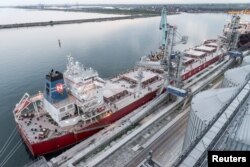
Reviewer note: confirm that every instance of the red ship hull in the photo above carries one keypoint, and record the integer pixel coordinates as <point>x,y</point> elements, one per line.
<point>55,144</point>
<point>199,68</point>
<point>69,139</point>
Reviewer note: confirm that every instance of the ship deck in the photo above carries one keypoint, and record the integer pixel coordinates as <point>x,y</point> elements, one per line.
<point>201,61</point>
<point>34,126</point>
<point>119,92</point>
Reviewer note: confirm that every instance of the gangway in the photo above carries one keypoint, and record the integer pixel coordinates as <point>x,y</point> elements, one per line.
<point>23,103</point>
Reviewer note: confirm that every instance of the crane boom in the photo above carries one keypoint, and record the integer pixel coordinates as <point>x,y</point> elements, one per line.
<point>164,27</point>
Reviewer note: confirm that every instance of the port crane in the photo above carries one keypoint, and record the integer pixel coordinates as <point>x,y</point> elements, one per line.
<point>168,41</point>
<point>233,35</point>
<point>164,27</point>
<point>231,38</point>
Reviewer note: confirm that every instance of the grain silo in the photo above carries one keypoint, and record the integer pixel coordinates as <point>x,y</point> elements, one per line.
<point>236,76</point>
<point>204,107</point>
<point>239,135</point>
<point>246,61</point>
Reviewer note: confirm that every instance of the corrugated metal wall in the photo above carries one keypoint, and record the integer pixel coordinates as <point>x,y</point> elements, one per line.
<point>195,127</point>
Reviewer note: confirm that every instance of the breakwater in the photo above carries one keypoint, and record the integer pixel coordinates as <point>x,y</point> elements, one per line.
<point>52,23</point>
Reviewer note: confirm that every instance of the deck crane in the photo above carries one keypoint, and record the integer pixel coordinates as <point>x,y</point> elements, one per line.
<point>169,34</point>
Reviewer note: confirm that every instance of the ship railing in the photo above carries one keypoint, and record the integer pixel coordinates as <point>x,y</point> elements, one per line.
<point>92,101</point>
<point>95,114</point>
<point>91,108</point>
<point>36,97</point>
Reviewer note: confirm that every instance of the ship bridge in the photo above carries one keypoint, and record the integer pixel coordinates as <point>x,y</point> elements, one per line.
<point>83,83</point>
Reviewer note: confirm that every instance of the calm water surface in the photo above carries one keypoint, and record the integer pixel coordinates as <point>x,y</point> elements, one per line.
<point>27,54</point>
<point>12,16</point>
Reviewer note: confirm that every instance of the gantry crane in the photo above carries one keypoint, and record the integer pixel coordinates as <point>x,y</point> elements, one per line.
<point>169,34</point>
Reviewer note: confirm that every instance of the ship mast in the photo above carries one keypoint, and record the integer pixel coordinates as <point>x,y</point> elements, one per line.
<point>139,79</point>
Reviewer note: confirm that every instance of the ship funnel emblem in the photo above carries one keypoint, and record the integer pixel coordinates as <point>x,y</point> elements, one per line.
<point>59,88</point>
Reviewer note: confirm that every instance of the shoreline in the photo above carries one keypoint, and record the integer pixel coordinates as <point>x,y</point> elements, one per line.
<point>78,21</point>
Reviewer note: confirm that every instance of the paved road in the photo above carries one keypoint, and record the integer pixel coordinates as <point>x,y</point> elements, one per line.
<point>164,143</point>
<point>170,149</point>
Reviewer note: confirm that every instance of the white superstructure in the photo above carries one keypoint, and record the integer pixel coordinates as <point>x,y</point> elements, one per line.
<point>84,83</point>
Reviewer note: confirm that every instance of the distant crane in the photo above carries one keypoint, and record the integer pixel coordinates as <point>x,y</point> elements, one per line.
<point>233,35</point>
<point>231,38</point>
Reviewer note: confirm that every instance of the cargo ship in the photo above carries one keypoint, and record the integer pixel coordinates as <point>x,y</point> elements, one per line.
<point>193,61</point>
<point>78,103</point>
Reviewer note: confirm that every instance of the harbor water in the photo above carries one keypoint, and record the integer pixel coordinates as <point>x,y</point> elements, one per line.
<point>27,54</point>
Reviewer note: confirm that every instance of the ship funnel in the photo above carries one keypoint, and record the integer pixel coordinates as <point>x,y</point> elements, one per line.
<point>54,87</point>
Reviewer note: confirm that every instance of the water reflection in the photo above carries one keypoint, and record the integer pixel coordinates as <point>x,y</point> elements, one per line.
<point>12,16</point>
<point>27,54</point>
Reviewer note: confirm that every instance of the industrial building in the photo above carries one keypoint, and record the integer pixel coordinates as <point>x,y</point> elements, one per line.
<point>204,107</point>
<point>208,104</point>
<point>236,76</point>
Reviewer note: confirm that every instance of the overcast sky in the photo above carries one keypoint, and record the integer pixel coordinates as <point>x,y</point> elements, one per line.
<point>26,2</point>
